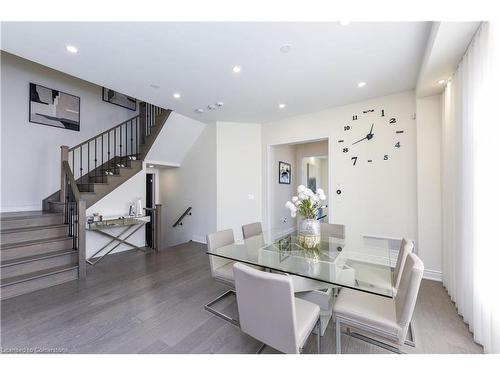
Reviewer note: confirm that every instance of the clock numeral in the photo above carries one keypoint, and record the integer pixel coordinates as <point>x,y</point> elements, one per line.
<point>370,160</point>
<point>355,158</point>
<point>398,145</point>
<point>399,131</point>
<point>368,111</point>
<point>392,120</point>
<point>383,113</point>
<point>347,127</point>
<point>386,157</point>
<point>345,149</point>
<point>341,140</point>
<point>354,118</point>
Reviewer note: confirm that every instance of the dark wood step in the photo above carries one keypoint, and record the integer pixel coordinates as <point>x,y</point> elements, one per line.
<point>15,286</point>
<point>22,266</point>
<point>33,248</point>
<point>16,220</point>
<point>13,236</point>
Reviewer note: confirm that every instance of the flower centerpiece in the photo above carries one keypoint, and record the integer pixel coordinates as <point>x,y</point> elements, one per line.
<point>307,204</point>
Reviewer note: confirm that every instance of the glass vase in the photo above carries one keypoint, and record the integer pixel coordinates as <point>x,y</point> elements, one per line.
<point>309,236</point>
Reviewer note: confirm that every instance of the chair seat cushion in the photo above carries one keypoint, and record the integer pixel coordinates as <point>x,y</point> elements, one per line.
<point>372,311</point>
<point>306,314</point>
<point>225,272</point>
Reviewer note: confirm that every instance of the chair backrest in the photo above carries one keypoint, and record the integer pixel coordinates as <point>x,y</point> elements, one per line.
<point>406,298</point>
<point>405,249</point>
<point>215,241</point>
<point>333,230</point>
<point>250,230</point>
<point>266,307</point>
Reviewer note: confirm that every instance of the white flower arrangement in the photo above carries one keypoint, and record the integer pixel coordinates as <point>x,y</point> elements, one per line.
<point>306,203</point>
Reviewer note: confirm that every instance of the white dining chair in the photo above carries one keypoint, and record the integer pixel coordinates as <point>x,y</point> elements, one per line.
<point>222,269</point>
<point>388,318</point>
<point>269,311</point>
<point>251,230</point>
<point>405,249</point>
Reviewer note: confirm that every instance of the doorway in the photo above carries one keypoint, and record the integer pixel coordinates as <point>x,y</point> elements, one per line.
<point>150,201</point>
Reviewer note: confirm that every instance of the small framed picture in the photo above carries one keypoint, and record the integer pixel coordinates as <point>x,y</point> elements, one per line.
<point>119,99</point>
<point>285,173</point>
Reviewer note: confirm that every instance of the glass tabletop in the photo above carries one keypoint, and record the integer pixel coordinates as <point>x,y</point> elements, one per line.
<point>354,262</point>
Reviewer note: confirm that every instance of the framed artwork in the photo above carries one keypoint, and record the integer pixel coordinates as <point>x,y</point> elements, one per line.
<point>54,108</point>
<point>285,173</point>
<point>119,99</point>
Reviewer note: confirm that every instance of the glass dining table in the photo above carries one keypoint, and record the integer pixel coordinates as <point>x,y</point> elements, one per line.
<point>356,262</point>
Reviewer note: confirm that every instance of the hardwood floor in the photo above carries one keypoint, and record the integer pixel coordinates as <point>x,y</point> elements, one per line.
<point>153,303</point>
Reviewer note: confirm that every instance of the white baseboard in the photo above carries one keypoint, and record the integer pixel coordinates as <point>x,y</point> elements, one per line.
<point>433,275</point>
<point>199,239</point>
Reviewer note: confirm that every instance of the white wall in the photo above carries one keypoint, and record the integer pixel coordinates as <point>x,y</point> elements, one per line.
<point>193,184</point>
<point>378,198</point>
<point>239,175</point>
<point>175,140</point>
<point>31,152</point>
<point>429,127</point>
<point>281,193</point>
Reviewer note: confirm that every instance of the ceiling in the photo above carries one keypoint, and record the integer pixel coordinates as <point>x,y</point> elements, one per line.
<point>322,69</point>
<point>447,43</point>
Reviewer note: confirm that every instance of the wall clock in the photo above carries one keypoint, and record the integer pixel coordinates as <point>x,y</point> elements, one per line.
<point>371,136</point>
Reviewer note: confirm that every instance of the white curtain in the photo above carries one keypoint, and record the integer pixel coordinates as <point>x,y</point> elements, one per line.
<point>471,188</point>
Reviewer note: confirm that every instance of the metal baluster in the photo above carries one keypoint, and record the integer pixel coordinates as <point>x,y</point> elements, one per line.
<point>121,139</point>
<point>126,139</point>
<point>81,168</point>
<point>114,147</point>
<point>131,138</point>
<point>108,152</point>
<point>136,138</point>
<point>95,160</point>
<point>102,157</point>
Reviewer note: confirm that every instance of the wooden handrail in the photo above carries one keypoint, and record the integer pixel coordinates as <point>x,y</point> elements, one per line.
<point>104,132</point>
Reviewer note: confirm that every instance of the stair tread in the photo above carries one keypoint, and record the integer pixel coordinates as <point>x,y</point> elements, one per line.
<point>32,258</point>
<point>35,242</point>
<point>36,275</point>
<point>21,215</point>
<point>28,229</point>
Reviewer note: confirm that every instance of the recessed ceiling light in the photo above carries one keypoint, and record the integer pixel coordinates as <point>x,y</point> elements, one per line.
<point>344,23</point>
<point>361,84</point>
<point>211,107</point>
<point>176,95</point>
<point>219,104</point>
<point>282,106</point>
<point>236,69</point>
<point>199,110</point>
<point>71,49</point>
<point>286,48</point>
<point>441,81</point>
<point>155,86</point>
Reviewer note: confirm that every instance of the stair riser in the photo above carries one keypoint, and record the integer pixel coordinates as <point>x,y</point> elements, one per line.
<point>38,283</point>
<point>56,207</point>
<point>33,235</point>
<point>31,222</point>
<point>39,265</point>
<point>35,249</point>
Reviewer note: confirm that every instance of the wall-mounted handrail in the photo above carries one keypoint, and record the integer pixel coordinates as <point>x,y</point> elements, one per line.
<point>179,220</point>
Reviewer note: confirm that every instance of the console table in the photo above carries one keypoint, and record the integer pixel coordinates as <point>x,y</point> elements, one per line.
<point>131,224</point>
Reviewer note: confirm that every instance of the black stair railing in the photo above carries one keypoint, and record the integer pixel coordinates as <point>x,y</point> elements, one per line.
<point>179,220</point>
<point>104,154</point>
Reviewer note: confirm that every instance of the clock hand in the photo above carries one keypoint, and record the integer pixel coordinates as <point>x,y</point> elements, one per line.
<point>371,129</point>
<point>362,139</point>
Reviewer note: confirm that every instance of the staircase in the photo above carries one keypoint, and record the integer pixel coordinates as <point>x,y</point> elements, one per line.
<point>39,249</point>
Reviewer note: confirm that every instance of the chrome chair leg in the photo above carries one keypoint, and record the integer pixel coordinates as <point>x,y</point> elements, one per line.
<point>225,317</point>
<point>318,334</point>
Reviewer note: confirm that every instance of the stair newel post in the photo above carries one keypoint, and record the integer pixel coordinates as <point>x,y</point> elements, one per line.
<point>82,252</point>
<point>142,121</point>
<point>157,227</point>
<point>64,157</point>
